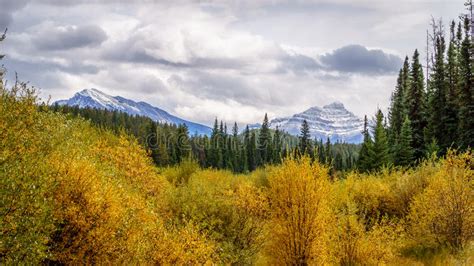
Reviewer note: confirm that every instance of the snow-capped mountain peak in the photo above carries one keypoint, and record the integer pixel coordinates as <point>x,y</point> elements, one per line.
<point>332,121</point>
<point>94,98</point>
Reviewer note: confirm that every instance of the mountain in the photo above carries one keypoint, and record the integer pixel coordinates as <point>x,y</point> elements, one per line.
<point>332,120</point>
<point>94,98</point>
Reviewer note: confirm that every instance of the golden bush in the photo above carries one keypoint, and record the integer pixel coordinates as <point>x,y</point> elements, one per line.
<point>225,208</point>
<point>443,215</point>
<point>299,213</point>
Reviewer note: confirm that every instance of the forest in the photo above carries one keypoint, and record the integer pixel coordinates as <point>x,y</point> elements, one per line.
<point>240,152</point>
<point>427,117</point>
<point>89,186</point>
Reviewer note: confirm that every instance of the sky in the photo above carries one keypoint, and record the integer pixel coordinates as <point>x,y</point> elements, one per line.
<point>234,60</point>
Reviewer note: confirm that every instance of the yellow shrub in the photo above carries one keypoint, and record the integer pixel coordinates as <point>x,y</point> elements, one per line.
<point>443,215</point>
<point>224,207</point>
<point>299,213</point>
<point>407,184</point>
<point>75,194</point>
<point>367,231</point>
<point>25,203</point>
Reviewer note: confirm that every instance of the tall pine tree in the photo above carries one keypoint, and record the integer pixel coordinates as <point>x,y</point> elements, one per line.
<point>277,146</point>
<point>451,126</point>
<point>404,155</point>
<point>380,149</point>
<point>364,162</point>
<point>415,104</point>
<point>264,143</point>
<point>305,139</point>
<point>466,92</point>
<point>397,110</point>
<point>438,102</point>
<point>152,142</point>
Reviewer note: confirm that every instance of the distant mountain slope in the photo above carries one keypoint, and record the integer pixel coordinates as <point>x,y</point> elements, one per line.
<point>332,121</point>
<point>94,98</point>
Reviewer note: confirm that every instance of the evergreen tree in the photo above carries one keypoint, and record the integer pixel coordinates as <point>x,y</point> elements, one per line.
<point>404,150</point>
<point>328,152</point>
<point>152,142</point>
<point>406,77</point>
<point>466,92</point>
<point>305,139</point>
<point>397,110</point>
<point>432,148</point>
<point>249,150</point>
<point>321,155</point>
<point>252,152</point>
<point>236,154</point>
<point>220,146</point>
<point>438,101</point>
<point>415,104</point>
<point>451,126</point>
<point>183,149</point>
<point>380,156</point>
<point>235,132</point>
<point>213,149</point>
<point>264,143</point>
<point>364,162</point>
<point>277,148</point>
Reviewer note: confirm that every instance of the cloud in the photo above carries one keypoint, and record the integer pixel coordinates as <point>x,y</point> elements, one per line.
<point>298,63</point>
<point>359,59</point>
<point>201,59</point>
<point>69,37</point>
<point>7,8</point>
<point>50,66</point>
<point>219,87</point>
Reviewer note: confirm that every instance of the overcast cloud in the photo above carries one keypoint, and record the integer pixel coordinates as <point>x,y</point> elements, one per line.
<point>234,60</point>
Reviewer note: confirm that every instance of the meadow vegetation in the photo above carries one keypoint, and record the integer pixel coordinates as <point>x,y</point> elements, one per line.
<point>72,193</point>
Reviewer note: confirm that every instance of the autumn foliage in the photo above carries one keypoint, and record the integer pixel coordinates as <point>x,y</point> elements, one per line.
<point>75,194</point>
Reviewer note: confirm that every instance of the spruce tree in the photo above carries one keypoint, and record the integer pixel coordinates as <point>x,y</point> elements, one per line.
<point>451,123</point>
<point>404,151</point>
<point>305,139</point>
<point>252,152</point>
<point>415,104</point>
<point>183,148</point>
<point>235,147</point>
<point>264,142</point>
<point>396,112</point>
<point>246,149</point>
<point>406,77</point>
<point>438,102</point>
<point>380,155</point>
<point>466,92</point>
<point>364,163</point>
<point>213,149</point>
<point>244,160</point>
<point>321,154</point>
<point>328,152</point>
<point>152,142</point>
<point>220,147</point>
<point>277,146</point>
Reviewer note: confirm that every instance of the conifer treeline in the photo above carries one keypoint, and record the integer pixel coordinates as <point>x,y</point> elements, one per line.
<point>169,144</point>
<point>427,117</point>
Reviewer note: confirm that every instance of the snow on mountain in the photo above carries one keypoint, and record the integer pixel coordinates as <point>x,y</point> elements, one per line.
<point>94,98</point>
<point>332,120</point>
